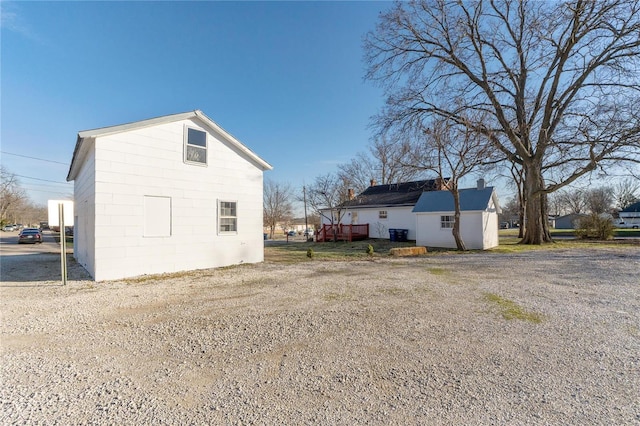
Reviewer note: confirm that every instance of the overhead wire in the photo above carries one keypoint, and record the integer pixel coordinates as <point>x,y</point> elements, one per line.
<point>34,158</point>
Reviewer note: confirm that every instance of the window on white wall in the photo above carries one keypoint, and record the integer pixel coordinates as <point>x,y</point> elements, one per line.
<point>195,146</point>
<point>157,216</point>
<point>227,217</point>
<point>447,221</point>
<point>382,214</point>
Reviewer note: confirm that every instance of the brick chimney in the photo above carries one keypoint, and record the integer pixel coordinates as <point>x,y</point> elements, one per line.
<point>351,194</point>
<point>372,182</point>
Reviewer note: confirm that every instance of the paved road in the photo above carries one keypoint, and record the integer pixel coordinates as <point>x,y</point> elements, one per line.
<point>9,245</point>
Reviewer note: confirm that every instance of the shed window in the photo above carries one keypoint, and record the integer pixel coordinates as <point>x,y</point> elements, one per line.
<point>447,221</point>
<point>227,217</point>
<point>382,214</point>
<point>195,146</point>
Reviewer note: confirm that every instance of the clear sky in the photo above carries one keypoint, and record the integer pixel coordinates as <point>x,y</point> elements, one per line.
<point>285,78</point>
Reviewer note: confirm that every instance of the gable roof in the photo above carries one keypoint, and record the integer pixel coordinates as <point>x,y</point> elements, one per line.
<point>394,194</point>
<point>471,199</point>
<point>212,125</point>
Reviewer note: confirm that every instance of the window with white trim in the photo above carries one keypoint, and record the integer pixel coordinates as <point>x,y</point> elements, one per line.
<point>227,217</point>
<point>195,146</point>
<point>447,221</point>
<point>382,214</point>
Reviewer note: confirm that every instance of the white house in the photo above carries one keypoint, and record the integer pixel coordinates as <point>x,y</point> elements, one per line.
<point>167,194</point>
<point>478,222</point>
<point>384,207</point>
<point>630,216</point>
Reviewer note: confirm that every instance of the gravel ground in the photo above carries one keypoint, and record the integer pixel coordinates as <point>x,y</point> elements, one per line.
<point>388,341</point>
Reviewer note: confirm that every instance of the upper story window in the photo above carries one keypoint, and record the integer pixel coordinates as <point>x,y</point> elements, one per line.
<point>382,214</point>
<point>195,146</point>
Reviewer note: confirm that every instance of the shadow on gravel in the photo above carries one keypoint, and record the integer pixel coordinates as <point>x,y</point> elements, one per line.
<point>27,270</point>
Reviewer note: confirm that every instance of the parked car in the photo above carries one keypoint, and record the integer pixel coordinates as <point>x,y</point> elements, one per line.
<point>9,228</point>
<point>291,233</point>
<point>30,236</point>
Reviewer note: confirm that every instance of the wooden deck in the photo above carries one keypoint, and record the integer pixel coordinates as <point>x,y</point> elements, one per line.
<point>343,232</point>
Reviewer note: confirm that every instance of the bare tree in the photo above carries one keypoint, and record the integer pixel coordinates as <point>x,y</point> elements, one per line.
<point>571,201</point>
<point>453,152</point>
<point>12,196</point>
<point>557,82</point>
<point>277,204</point>
<point>385,163</point>
<point>326,196</point>
<point>599,200</point>
<point>627,192</point>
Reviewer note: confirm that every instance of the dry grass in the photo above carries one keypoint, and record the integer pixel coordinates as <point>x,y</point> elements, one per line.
<point>511,310</point>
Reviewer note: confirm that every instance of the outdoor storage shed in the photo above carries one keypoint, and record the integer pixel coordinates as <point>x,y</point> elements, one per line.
<point>478,222</point>
<point>167,194</point>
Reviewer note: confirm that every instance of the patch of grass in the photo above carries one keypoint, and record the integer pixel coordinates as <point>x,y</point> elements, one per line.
<point>392,291</point>
<point>335,297</point>
<point>512,245</point>
<point>156,277</point>
<point>511,310</point>
<point>438,271</point>
<point>296,252</point>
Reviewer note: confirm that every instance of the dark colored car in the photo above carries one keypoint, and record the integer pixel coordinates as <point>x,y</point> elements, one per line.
<point>30,236</point>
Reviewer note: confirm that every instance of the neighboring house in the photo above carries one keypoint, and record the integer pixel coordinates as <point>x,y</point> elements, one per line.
<point>385,207</point>
<point>167,194</point>
<point>568,221</point>
<point>478,222</point>
<point>630,216</point>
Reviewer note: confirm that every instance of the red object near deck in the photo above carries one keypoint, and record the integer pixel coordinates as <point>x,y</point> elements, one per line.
<point>343,232</point>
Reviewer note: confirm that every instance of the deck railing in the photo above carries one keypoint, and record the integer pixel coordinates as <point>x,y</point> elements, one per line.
<point>343,232</point>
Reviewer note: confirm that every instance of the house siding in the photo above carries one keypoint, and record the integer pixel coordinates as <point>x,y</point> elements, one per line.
<point>149,162</point>
<point>479,230</point>
<point>397,218</point>
<point>84,206</point>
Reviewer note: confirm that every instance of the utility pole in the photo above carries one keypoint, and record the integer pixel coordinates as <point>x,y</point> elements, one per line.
<point>304,197</point>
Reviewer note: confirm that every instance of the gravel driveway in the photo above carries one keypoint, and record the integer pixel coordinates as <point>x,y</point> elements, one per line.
<point>543,337</point>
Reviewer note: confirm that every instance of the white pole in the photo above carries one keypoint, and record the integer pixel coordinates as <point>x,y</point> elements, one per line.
<point>63,245</point>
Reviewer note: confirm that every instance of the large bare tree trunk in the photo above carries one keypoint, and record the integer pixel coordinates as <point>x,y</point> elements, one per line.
<point>456,224</point>
<point>536,211</point>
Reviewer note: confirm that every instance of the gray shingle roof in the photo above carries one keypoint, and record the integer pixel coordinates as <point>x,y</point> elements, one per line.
<point>395,194</point>
<point>471,199</point>
<point>633,208</point>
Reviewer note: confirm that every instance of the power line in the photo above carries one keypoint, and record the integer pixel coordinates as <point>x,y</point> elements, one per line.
<point>34,158</point>
<point>44,180</point>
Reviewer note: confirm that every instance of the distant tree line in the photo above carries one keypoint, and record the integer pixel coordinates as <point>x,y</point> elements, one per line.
<point>15,205</point>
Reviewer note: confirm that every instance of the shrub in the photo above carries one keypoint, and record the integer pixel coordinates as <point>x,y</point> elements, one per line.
<point>594,227</point>
<point>370,250</point>
<point>310,253</point>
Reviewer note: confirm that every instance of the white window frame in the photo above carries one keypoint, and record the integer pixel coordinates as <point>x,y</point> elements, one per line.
<point>221,216</point>
<point>187,144</point>
<point>383,214</point>
<point>447,221</point>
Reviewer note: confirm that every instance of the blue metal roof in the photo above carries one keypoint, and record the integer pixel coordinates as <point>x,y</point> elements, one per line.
<point>471,199</point>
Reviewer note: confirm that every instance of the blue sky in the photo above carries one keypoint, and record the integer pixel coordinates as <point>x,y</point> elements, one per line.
<point>285,78</point>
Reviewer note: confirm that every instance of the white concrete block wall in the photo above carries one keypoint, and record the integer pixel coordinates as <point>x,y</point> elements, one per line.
<point>149,162</point>
<point>84,205</point>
